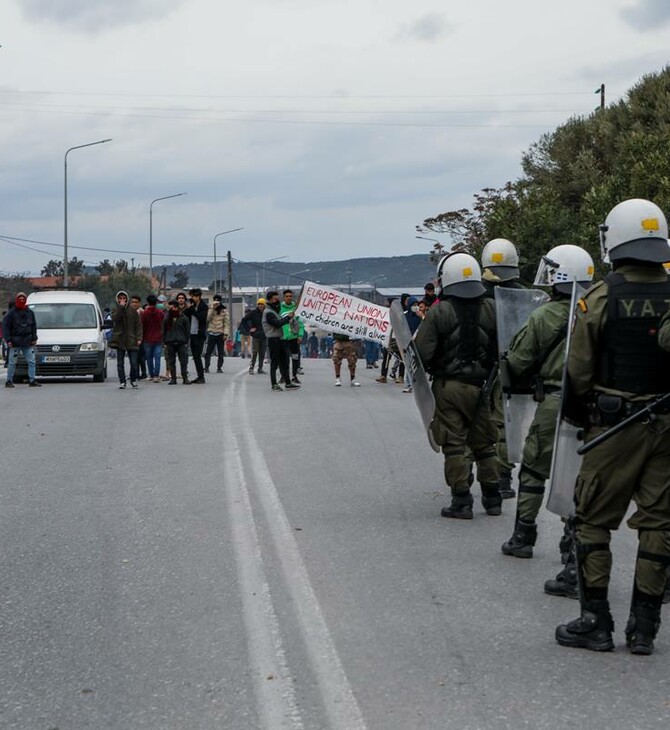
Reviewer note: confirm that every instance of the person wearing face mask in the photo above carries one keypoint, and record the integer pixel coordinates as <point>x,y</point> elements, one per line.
<point>176,333</point>
<point>252,323</point>
<point>273,324</point>
<point>218,327</point>
<point>414,317</point>
<point>126,338</point>
<point>20,332</point>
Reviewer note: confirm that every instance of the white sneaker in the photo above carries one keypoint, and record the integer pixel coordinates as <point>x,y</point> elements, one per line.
<point>122,386</point>
<point>338,382</point>
<point>408,389</point>
<point>355,384</point>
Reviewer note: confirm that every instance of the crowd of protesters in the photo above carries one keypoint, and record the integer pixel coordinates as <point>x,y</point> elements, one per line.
<point>186,328</point>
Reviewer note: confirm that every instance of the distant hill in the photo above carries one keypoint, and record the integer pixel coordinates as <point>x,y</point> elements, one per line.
<point>393,271</point>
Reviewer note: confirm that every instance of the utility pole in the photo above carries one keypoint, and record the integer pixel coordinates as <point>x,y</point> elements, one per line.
<point>230,295</point>
<point>601,90</point>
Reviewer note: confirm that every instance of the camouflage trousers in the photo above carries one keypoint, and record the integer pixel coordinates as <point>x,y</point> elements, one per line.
<point>536,460</point>
<point>463,420</point>
<point>633,465</point>
<point>345,351</point>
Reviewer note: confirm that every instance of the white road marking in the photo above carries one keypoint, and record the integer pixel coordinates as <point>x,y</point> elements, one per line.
<point>274,686</point>
<point>338,698</point>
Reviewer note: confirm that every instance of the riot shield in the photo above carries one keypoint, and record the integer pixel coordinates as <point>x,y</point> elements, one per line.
<point>513,307</point>
<point>423,395</point>
<point>565,461</point>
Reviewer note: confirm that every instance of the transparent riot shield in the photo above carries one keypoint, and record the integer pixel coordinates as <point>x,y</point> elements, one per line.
<point>423,395</point>
<point>565,461</point>
<point>513,307</point>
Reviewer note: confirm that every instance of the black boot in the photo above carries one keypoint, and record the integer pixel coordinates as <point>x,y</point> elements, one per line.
<point>505,484</point>
<point>566,543</point>
<point>666,595</point>
<point>564,584</point>
<point>491,499</point>
<point>520,545</point>
<point>592,630</point>
<point>460,507</point>
<point>643,624</point>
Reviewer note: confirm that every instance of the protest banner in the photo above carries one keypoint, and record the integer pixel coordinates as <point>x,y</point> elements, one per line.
<point>334,311</point>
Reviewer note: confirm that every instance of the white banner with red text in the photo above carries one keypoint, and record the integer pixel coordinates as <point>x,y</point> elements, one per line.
<point>335,311</point>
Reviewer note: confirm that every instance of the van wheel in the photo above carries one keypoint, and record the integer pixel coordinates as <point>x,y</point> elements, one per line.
<point>100,377</point>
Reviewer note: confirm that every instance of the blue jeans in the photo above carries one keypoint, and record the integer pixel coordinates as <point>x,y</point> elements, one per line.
<point>153,356</point>
<point>121,365</point>
<point>371,352</point>
<point>29,355</point>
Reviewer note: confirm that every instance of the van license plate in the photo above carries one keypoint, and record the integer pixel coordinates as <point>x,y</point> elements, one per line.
<point>56,358</point>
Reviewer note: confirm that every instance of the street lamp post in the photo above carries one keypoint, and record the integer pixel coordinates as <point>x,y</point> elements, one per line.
<point>66,279</point>
<point>151,232</point>
<point>223,233</point>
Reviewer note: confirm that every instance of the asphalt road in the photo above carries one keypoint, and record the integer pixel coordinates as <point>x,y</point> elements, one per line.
<point>223,556</point>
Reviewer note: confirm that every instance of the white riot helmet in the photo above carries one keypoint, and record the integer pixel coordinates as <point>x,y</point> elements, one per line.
<point>635,229</point>
<point>563,265</point>
<point>501,258</point>
<point>460,276</point>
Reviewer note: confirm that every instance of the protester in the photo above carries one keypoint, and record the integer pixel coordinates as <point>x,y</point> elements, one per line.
<point>245,338</point>
<point>20,332</point>
<point>152,330</point>
<point>414,316</point>
<point>252,323</point>
<point>294,331</point>
<point>345,349</point>
<point>273,325</point>
<point>196,311</point>
<point>218,326</point>
<point>176,333</point>
<point>136,304</point>
<point>313,345</point>
<point>429,297</point>
<point>126,339</point>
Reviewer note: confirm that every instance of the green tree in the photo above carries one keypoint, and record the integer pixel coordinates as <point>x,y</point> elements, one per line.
<point>105,268</point>
<point>573,176</point>
<point>54,267</point>
<point>180,279</point>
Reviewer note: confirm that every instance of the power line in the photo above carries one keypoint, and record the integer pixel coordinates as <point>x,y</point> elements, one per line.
<point>104,250</point>
<point>330,97</point>
<point>58,107</point>
<point>277,121</point>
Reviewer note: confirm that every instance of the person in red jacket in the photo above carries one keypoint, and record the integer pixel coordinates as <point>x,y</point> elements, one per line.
<point>152,327</point>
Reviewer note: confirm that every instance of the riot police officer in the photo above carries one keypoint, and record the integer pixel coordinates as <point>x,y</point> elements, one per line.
<point>457,344</point>
<point>615,365</point>
<point>500,268</point>
<point>535,359</point>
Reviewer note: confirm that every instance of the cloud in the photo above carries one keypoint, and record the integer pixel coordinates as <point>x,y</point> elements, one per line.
<point>428,28</point>
<point>96,15</point>
<point>647,14</point>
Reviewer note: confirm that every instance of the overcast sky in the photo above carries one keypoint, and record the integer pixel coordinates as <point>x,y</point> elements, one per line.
<point>327,130</point>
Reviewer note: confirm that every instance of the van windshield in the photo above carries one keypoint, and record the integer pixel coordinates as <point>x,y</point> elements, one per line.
<point>65,316</point>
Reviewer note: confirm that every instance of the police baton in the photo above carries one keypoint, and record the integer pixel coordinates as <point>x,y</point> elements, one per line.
<point>648,410</point>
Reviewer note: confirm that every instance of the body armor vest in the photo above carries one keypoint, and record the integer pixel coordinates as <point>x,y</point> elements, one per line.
<point>630,359</point>
<point>468,351</point>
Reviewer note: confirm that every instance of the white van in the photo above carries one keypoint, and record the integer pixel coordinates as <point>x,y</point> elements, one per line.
<point>70,339</point>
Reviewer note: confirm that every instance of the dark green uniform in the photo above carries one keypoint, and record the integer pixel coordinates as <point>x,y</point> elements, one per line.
<point>457,344</point>
<point>615,364</point>
<point>539,350</point>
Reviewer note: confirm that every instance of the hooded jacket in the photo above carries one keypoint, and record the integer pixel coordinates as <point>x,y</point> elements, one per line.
<point>413,319</point>
<point>19,327</point>
<point>126,326</point>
